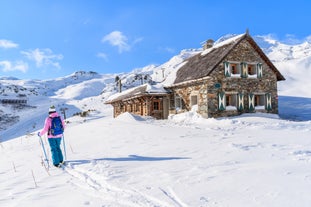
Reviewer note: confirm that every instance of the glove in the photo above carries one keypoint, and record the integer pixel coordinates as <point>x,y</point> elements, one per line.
<point>38,134</point>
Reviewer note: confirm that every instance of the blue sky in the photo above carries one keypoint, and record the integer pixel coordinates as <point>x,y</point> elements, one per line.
<point>43,39</point>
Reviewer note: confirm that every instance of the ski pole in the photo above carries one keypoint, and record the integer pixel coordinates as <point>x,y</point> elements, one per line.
<point>64,146</point>
<point>43,148</point>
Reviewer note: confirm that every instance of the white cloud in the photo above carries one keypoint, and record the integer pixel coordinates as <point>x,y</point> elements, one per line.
<point>166,49</point>
<point>169,49</point>
<point>7,44</point>
<point>7,66</point>
<point>116,38</point>
<point>103,56</point>
<point>43,57</point>
<point>137,40</point>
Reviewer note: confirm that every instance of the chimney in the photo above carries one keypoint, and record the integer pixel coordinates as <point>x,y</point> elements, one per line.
<point>208,44</point>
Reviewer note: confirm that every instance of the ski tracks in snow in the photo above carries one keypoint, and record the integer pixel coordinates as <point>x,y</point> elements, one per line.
<point>113,195</point>
<point>172,196</point>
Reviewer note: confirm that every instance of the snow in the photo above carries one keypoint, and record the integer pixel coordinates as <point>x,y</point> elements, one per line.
<point>221,42</point>
<point>158,88</point>
<point>249,160</point>
<point>253,160</point>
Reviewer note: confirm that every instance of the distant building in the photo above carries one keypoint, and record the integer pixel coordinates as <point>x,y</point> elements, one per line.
<point>20,99</point>
<point>225,79</point>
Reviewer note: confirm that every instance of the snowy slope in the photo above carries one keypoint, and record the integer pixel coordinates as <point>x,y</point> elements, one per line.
<point>185,161</point>
<point>251,160</point>
<point>293,61</point>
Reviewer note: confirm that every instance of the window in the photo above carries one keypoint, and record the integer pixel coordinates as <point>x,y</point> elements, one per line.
<point>156,105</point>
<point>251,69</point>
<point>243,69</point>
<point>178,102</point>
<point>259,101</point>
<point>194,100</point>
<point>232,69</point>
<point>227,101</point>
<point>235,69</point>
<point>231,101</point>
<point>172,103</point>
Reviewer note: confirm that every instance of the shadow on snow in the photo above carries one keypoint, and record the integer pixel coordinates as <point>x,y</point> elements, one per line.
<point>126,159</point>
<point>295,108</point>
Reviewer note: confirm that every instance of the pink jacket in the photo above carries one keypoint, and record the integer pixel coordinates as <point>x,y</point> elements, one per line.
<point>47,125</point>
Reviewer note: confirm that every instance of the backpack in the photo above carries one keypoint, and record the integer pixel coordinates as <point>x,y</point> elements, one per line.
<point>56,126</point>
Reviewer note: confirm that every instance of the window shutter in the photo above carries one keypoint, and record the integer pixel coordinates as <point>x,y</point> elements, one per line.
<point>227,69</point>
<point>259,70</point>
<point>240,101</point>
<point>251,102</point>
<point>268,104</point>
<point>244,70</point>
<point>221,101</point>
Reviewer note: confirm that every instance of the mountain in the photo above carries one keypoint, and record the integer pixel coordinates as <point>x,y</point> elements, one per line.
<point>293,61</point>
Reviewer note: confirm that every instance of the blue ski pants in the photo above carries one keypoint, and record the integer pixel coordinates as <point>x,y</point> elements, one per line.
<point>57,155</point>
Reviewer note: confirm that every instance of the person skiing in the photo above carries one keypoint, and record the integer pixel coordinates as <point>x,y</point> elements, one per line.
<point>54,127</point>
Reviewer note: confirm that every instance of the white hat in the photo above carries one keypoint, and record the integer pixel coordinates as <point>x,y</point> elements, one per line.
<point>52,109</point>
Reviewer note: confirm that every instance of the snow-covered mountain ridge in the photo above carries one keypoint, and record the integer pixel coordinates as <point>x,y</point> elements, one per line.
<point>293,61</point>
<point>278,51</point>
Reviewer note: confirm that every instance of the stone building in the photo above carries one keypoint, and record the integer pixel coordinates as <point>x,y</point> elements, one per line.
<point>226,79</point>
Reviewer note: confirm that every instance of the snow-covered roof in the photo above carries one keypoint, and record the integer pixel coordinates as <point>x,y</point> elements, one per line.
<point>142,90</point>
<point>201,65</point>
<point>222,43</point>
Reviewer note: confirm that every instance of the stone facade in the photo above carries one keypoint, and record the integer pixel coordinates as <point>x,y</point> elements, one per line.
<point>255,92</point>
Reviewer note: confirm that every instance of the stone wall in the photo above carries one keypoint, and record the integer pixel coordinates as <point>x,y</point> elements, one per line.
<point>209,89</point>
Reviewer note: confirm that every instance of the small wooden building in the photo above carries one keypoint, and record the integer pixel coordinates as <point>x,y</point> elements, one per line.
<point>144,100</point>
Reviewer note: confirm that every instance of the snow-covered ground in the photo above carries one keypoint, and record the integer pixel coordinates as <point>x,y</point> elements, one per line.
<point>186,161</point>
<point>250,160</point>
